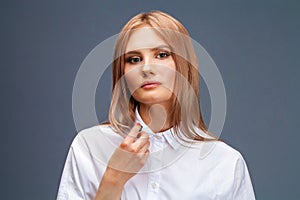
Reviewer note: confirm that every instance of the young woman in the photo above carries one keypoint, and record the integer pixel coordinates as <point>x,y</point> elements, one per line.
<point>150,149</point>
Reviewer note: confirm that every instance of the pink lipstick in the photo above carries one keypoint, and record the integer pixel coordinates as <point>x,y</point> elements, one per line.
<point>150,84</point>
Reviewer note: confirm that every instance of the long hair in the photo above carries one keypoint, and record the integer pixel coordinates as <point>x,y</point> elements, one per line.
<point>186,116</point>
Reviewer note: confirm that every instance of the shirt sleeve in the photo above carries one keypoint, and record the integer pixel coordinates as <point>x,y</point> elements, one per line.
<point>81,174</point>
<point>85,166</point>
<point>70,185</point>
<point>242,183</point>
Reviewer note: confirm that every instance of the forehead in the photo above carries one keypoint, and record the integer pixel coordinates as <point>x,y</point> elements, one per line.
<point>143,38</point>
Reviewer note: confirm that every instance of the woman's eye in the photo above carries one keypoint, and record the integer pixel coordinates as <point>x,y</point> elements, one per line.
<point>134,59</point>
<point>163,55</point>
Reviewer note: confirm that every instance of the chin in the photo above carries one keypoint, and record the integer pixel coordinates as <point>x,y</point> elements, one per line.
<point>153,99</point>
<point>154,96</point>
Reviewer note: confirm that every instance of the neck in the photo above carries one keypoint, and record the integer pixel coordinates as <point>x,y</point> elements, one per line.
<point>156,116</point>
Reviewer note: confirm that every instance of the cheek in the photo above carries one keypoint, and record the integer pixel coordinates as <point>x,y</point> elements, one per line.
<point>168,75</point>
<point>131,80</point>
<point>171,80</point>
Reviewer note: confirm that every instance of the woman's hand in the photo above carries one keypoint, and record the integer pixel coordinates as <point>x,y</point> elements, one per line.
<point>131,155</point>
<point>126,161</point>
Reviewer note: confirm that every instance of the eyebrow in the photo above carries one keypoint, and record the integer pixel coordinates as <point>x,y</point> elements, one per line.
<point>152,49</point>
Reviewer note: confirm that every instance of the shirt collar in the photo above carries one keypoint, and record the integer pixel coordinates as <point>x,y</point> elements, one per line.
<point>167,134</point>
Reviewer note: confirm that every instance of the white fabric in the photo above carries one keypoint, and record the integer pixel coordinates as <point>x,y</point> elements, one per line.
<point>173,170</point>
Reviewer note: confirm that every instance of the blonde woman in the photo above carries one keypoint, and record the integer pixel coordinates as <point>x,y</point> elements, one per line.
<point>150,148</point>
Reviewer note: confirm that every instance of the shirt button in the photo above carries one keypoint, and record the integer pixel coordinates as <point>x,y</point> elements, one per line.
<point>153,185</point>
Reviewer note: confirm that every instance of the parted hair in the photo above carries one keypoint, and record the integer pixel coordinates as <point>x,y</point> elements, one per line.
<point>186,116</point>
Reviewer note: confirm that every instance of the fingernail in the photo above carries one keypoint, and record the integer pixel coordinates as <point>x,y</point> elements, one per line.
<point>141,128</point>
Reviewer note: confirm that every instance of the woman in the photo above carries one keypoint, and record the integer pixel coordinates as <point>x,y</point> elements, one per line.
<point>150,148</point>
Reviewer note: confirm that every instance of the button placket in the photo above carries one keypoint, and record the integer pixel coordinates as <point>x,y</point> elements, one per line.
<point>157,146</point>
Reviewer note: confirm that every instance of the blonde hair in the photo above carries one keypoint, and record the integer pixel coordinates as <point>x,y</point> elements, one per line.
<point>186,113</point>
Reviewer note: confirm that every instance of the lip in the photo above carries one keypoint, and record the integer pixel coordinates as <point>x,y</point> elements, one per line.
<point>150,84</point>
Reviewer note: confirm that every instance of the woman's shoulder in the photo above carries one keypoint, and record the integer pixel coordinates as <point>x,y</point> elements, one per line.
<point>96,130</point>
<point>97,142</point>
<point>215,149</point>
<point>214,145</point>
<point>223,151</point>
<point>226,148</point>
<point>96,135</point>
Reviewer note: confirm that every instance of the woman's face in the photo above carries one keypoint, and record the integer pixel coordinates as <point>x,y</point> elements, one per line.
<point>149,67</point>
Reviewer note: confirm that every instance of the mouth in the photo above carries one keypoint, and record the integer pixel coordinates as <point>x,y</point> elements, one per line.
<point>150,84</point>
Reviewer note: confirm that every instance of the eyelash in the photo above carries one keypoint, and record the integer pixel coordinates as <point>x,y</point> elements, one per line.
<point>130,59</point>
<point>160,55</point>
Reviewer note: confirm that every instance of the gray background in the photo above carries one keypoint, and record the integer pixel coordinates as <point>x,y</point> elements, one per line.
<point>255,44</point>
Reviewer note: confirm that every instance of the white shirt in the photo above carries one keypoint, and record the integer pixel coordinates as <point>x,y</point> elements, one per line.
<point>173,170</point>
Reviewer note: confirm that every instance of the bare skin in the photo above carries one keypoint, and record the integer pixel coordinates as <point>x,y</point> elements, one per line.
<point>127,160</point>
<point>155,116</point>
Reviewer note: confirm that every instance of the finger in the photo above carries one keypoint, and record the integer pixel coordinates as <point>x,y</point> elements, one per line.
<point>141,141</point>
<point>145,148</point>
<point>145,156</point>
<point>132,135</point>
<point>142,135</point>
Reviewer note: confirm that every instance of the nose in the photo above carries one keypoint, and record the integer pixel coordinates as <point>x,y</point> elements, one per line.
<point>147,67</point>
